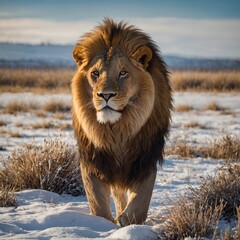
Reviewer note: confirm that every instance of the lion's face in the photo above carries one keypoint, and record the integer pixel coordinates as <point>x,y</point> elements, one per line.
<point>119,85</point>
<point>116,85</point>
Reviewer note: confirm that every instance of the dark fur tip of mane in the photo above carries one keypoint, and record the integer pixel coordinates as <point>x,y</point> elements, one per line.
<point>102,163</point>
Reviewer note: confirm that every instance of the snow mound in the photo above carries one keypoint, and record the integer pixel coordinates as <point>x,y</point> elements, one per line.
<point>134,232</point>
<point>45,215</point>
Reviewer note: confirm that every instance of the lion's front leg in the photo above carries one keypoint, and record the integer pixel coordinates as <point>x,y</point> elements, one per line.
<point>119,200</point>
<point>98,194</point>
<point>138,201</point>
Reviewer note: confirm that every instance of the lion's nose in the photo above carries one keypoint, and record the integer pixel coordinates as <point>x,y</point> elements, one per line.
<point>106,96</point>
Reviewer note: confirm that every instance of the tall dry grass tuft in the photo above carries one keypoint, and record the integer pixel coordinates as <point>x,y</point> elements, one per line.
<point>224,187</point>
<point>228,235</point>
<point>206,80</point>
<point>227,147</point>
<point>53,166</point>
<point>191,219</point>
<point>7,198</point>
<point>182,148</point>
<point>198,212</point>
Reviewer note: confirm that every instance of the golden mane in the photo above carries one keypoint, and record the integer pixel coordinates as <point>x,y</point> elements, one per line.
<point>110,35</point>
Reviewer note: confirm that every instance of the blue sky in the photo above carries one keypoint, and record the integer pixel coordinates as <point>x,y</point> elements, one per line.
<point>204,28</point>
<point>78,9</point>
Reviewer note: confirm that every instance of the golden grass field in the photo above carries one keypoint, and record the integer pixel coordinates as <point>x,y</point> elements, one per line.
<point>222,81</point>
<point>59,80</point>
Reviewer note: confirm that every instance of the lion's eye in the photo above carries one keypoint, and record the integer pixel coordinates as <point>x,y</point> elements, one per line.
<point>123,73</point>
<point>95,74</point>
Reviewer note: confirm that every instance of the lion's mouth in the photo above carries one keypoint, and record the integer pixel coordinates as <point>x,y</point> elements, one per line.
<point>109,108</point>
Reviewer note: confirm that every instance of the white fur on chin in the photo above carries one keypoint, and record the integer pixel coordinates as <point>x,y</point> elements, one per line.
<point>108,115</point>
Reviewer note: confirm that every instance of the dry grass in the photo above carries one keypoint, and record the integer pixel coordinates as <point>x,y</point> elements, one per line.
<point>41,114</point>
<point>14,107</point>
<point>56,106</point>
<point>51,125</point>
<point>197,213</point>
<point>188,218</point>
<point>206,80</point>
<point>194,124</point>
<point>19,125</point>
<point>3,131</point>
<point>19,106</point>
<point>44,124</point>
<point>228,235</point>
<point>18,80</point>
<point>47,79</point>
<point>183,108</point>
<point>65,126</point>
<point>213,106</point>
<point>7,198</point>
<point>61,116</point>
<point>15,134</point>
<point>227,147</point>
<point>53,166</point>
<point>2,123</point>
<point>182,148</point>
<point>224,187</point>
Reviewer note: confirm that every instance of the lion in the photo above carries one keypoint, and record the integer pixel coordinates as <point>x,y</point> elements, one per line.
<point>122,103</point>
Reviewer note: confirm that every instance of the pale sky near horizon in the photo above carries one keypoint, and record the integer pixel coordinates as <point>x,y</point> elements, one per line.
<point>206,28</point>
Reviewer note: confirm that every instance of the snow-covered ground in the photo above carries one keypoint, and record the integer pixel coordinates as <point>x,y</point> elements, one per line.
<point>45,215</point>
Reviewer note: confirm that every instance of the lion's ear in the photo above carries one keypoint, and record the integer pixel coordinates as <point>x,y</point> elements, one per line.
<point>77,56</point>
<point>143,55</point>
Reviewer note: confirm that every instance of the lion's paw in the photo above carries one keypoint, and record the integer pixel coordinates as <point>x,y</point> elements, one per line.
<point>127,218</point>
<point>123,220</point>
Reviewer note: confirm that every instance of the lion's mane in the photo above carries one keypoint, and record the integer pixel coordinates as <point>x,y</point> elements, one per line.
<point>98,143</point>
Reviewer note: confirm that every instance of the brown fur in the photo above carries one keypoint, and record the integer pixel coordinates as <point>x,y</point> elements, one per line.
<point>124,152</point>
